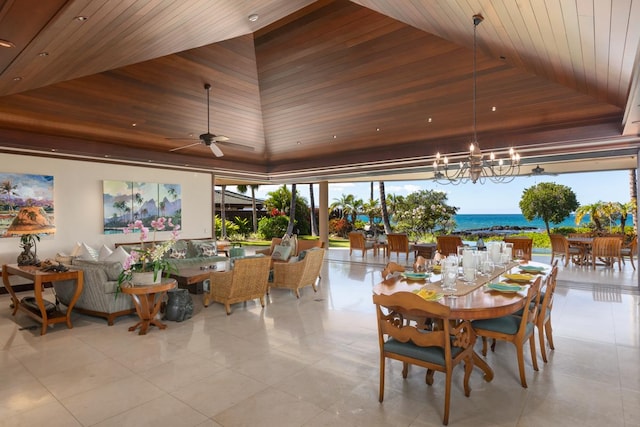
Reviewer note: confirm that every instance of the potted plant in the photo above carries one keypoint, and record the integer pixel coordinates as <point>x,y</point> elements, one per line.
<point>150,257</point>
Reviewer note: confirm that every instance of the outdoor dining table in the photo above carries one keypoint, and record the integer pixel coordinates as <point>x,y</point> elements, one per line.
<point>469,301</point>
<point>584,243</point>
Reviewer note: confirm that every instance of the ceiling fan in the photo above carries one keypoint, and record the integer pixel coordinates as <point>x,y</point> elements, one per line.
<point>537,171</point>
<point>210,140</point>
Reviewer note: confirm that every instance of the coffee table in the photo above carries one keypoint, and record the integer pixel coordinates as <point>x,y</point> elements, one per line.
<point>191,278</point>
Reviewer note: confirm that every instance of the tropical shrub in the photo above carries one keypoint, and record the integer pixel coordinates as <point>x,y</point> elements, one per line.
<point>275,226</point>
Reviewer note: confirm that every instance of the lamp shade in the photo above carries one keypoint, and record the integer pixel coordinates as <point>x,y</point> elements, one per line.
<point>31,220</point>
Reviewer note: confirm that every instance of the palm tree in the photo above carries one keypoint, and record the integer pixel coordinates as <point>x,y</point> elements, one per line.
<point>383,207</point>
<point>342,204</point>
<point>242,189</point>
<point>6,187</point>
<point>292,210</point>
<point>314,224</point>
<point>594,212</point>
<point>372,210</point>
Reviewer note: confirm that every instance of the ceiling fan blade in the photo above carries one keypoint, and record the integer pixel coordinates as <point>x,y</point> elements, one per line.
<point>216,150</point>
<point>186,146</point>
<point>220,138</point>
<point>236,146</point>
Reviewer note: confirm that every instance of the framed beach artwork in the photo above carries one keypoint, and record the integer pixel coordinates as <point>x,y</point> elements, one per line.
<point>18,190</point>
<point>127,201</point>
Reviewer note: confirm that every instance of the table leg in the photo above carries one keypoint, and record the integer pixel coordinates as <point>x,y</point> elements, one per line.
<point>484,366</point>
<point>147,307</point>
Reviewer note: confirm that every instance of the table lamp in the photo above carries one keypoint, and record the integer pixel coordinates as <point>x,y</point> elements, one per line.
<point>30,221</point>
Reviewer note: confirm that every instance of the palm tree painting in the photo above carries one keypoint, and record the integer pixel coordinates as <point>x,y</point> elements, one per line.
<point>21,190</point>
<point>127,201</point>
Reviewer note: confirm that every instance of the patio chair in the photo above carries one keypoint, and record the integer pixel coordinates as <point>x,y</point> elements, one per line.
<point>514,329</point>
<point>607,249</point>
<point>448,244</point>
<point>358,241</point>
<point>398,243</point>
<point>630,250</point>
<point>438,349</point>
<point>560,246</point>
<point>521,243</point>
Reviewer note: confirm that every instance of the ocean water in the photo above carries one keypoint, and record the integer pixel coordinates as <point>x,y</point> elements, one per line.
<point>485,221</point>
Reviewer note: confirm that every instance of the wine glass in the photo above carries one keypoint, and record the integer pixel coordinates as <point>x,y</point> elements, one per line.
<point>519,255</point>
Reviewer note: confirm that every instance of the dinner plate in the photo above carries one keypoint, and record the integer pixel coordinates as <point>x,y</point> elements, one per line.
<point>414,276</point>
<point>428,295</point>
<point>531,269</point>
<point>523,278</point>
<point>505,287</point>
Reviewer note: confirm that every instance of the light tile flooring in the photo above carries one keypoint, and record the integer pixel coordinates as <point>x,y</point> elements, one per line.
<point>314,361</point>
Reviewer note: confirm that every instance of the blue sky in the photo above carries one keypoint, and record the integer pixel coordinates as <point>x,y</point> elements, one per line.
<point>612,186</point>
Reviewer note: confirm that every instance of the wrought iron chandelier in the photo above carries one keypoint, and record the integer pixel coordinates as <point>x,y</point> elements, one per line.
<point>475,168</point>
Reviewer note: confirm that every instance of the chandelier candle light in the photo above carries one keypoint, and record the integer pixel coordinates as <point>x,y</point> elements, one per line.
<point>475,168</point>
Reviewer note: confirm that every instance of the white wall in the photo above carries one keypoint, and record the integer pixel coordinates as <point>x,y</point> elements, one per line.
<point>78,202</point>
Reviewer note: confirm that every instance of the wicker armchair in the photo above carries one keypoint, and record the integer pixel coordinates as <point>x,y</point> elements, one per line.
<point>248,280</point>
<point>298,274</point>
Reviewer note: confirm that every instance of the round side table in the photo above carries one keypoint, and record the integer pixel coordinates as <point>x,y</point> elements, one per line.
<point>147,300</point>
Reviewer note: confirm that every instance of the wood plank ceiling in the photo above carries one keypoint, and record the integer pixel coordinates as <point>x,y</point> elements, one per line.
<point>323,89</point>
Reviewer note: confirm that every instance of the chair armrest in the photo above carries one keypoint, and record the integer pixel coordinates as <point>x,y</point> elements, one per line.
<point>266,251</point>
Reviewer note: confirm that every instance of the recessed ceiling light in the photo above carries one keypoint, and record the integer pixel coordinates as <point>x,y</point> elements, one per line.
<point>335,136</point>
<point>493,108</point>
<point>134,124</point>
<point>43,54</point>
<point>298,143</point>
<point>54,150</point>
<point>253,17</point>
<point>17,79</point>
<point>80,18</point>
<point>429,120</point>
<point>377,129</point>
<point>6,43</point>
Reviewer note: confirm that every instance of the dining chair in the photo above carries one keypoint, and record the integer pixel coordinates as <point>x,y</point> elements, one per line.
<point>523,243</point>
<point>358,241</point>
<point>439,349</point>
<point>607,249</point>
<point>630,250</point>
<point>514,329</point>
<point>560,246</point>
<point>447,245</point>
<point>543,318</point>
<point>398,243</point>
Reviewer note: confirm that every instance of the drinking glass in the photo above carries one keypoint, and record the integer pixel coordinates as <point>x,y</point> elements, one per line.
<point>519,255</point>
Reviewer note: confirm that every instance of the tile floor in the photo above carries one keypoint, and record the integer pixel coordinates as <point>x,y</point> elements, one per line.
<point>314,362</point>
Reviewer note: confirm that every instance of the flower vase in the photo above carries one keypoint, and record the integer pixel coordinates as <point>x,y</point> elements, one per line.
<point>145,278</point>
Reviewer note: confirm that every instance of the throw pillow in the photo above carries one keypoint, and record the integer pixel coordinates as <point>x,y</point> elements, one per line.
<point>119,254</point>
<point>76,249</point>
<point>104,253</point>
<point>281,253</point>
<point>286,240</point>
<point>294,243</point>
<point>88,253</point>
<point>175,254</point>
<point>208,250</point>
<point>301,255</point>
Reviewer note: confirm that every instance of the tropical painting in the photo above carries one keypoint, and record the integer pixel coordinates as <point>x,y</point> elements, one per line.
<point>18,190</point>
<point>128,201</point>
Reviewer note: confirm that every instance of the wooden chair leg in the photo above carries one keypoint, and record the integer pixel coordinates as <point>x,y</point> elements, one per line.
<point>549,333</point>
<point>381,391</point>
<point>520,353</point>
<point>543,348</point>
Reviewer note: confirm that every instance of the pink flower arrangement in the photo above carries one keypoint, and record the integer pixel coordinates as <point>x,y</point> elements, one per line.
<point>150,256</point>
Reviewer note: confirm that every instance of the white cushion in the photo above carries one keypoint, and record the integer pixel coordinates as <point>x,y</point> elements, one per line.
<point>88,253</point>
<point>76,249</point>
<point>104,253</point>
<point>281,253</point>
<point>119,254</point>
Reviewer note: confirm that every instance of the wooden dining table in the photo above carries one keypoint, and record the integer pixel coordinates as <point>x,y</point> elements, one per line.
<point>470,302</point>
<point>584,243</point>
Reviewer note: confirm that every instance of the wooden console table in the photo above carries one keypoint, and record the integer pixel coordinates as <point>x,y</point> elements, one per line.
<point>39,277</point>
<point>148,299</point>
